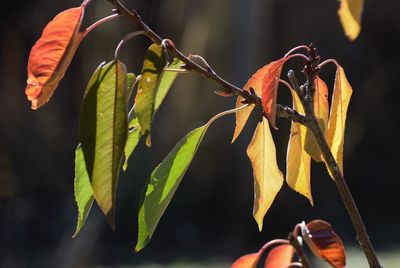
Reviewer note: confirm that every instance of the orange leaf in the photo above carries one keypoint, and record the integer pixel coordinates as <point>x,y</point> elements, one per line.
<point>248,261</point>
<point>268,178</point>
<point>51,55</point>
<point>340,101</point>
<point>350,12</point>
<point>269,93</point>
<point>279,257</point>
<point>298,162</point>
<point>321,111</point>
<point>325,243</point>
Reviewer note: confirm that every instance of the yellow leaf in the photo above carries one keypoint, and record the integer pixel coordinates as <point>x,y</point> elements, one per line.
<point>298,161</point>
<point>268,178</point>
<point>321,110</point>
<point>340,101</point>
<point>241,117</point>
<point>350,13</point>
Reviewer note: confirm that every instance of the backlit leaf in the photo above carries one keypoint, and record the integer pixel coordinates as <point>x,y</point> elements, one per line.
<point>270,89</point>
<point>51,55</point>
<point>248,261</point>
<point>279,257</point>
<point>153,65</point>
<point>82,189</point>
<point>103,132</point>
<point>297,160</point>
<point>337,120</point>
<point>350,13</point>
<point>165,180</point>
<point>321,112</point>
<point>325,243</point>
<point>132,140</point>
<point>267,177</point>
<point>130,80</point>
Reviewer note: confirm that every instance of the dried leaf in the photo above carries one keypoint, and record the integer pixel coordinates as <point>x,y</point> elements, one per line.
<point>270,89</point>
<point>336,127</point>
<point>51,55</point>
<point>321,111</point>
<point>324,242</point>
<point>279,257</point>
<point>298,162</point>
<point>350,13</point>
<point>268,178</point>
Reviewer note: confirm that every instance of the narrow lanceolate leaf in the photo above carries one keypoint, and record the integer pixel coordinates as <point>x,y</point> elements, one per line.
<point>268,178</point>
<point>269,93</point>
<point>280,256</point>
<point>82,188</point>
<point>147,89</point>
<point>297,160</point>
<point>324,242</point>
<point>51,55</point>
<point>130,81</point>
<point>337,120</point>
<point>321,112</point>
<point>165,180</point>
<point>132,140</point>
<point>350,13</point>
<point>103,132</point>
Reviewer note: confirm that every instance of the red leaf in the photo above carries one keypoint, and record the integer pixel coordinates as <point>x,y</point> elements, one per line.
<point>51,55</point>
<point>270,89</point>
<point>325,243</point>
<point>279,257</point>
<point>248,261</point>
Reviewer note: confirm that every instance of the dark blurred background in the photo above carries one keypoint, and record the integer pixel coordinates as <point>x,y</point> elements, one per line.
<point>209,221</point>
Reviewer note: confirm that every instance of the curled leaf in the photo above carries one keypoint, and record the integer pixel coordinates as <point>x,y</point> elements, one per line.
<point>298,162</point>
<point>248,260</point>
<point>350,13</point>
<point>324,242</point>
<point>268,178</point>
<point>321,110</point>
<point>342,92</point>
<point>280,256</point>
<point>51,55</point>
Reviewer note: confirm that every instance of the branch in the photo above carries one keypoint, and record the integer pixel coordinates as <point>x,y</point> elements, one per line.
<point>341,185</point>
<point>282,111</point>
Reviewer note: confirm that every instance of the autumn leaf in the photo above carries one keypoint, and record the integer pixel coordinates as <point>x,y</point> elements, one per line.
<point>350,13</point>
<point>270,89</point>
<point>165,179</point>
<point>103,132</point>
<point>264,83</point>
<point>324,242</point>
<point>51,55</point>
<point>321,112</point>
<point>342,92</point>
<point>298,162</point>
<point>279,257</point>
<point>248,260</point>
<point>268,178</point>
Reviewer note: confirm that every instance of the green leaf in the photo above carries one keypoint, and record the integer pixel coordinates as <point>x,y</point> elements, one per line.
<point>133,138</point>
<point>82,188</point>
<point>103,132</point>
<point>153,65</point>
<point>165,179</point>
<point>130,80</point>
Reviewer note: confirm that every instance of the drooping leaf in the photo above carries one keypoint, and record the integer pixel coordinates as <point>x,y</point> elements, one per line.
<point>147,89</point>
<point>270,89</point>
<point>248,261</point>
<point>165,180</point>
<point>130,80</point>
<point>241,117</point>
<point>134,136</point>
<point>51,55</point>
<point>350,13</point>
<point>337,120</point>
<point>103,132</point>
<point>82,188</point>
<point>321,112</point>
<point>298,161</point>
<point>324,242</point>
<point>268,178</point>
<point>279,257</point>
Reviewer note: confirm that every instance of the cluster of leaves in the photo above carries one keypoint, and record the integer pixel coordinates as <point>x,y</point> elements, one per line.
<point>317,234</point>
<point>109,133</point>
